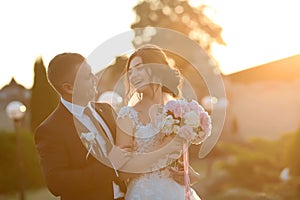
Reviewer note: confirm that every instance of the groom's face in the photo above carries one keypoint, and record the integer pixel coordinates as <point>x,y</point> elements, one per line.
<point>84,85</point>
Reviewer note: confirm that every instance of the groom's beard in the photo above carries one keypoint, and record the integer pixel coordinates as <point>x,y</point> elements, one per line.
<point>83,98</point>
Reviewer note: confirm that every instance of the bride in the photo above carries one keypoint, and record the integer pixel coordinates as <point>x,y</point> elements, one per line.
<point>151,81</point>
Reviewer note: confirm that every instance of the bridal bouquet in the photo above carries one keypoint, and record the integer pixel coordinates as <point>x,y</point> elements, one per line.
<point>188,119</point>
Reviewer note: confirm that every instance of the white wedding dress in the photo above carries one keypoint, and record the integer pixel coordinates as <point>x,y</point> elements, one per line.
<point>156,185</point>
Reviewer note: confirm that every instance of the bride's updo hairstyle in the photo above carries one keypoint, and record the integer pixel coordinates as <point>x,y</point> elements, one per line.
<point>168,77</point>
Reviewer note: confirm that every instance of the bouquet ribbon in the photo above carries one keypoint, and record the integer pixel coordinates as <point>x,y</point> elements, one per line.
<point>186,171</point>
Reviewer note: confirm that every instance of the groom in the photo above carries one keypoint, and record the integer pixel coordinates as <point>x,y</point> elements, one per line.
<point>68,169</point>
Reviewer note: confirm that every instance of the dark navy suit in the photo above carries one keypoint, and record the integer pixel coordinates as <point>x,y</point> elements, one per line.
<point>67,172</point>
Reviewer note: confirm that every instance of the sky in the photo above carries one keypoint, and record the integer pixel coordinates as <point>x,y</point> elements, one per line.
<point>256,31</point>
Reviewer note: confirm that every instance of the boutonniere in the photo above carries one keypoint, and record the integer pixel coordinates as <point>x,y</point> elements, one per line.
<point>89,136</point>
<point>89,140</point>
<point>93,145</point>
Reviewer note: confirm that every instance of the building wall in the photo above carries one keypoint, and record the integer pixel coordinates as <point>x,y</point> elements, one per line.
<point>263,109</point>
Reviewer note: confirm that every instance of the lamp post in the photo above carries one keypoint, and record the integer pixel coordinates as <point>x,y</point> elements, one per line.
<point>15,110</point>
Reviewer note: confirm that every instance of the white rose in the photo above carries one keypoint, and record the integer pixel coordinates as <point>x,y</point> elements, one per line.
<point>176,129</point>
<point>167,130</point>
<point>191,119</point>
<point>169,120</point>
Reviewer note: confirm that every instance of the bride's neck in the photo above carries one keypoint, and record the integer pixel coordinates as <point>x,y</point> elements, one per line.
<point>155,98</point>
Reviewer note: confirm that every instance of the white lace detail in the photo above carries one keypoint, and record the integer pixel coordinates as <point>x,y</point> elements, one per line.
<point>146,137</point>
<point>128,111</point>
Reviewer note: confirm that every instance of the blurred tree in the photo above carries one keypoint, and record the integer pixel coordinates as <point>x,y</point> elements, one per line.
<point>9,179</point>
<point>258,161</point>
<point>44,98</point>
<point>180,16</point>
<point>111,83</point>
<point>111,75</point>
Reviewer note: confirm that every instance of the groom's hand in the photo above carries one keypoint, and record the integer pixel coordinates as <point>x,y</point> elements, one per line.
<point>177,174</point>
<point>118,157</point>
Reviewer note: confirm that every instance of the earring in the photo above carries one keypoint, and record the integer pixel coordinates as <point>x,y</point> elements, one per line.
<point>139,95</point>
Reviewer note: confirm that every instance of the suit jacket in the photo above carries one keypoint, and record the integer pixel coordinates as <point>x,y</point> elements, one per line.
<point>67,172</point>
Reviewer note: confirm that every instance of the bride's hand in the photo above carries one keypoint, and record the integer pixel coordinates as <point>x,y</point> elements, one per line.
<point>177,173</point>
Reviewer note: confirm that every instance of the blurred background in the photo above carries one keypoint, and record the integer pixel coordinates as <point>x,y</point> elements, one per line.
<point>254,46</point>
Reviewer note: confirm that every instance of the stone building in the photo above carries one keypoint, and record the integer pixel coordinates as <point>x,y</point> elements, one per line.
<point>264,101</point>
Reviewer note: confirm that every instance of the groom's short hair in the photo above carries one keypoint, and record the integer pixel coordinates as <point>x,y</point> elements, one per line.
<point>63,69</point>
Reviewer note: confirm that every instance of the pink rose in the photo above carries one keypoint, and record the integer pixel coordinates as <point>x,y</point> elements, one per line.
<point>195,106</point>
<point>178,112</point>
<point>205,122</point>
<point>170,106</point>
<point>174,107</point>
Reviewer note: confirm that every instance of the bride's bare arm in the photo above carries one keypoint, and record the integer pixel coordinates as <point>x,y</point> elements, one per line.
<point>124,133</point>
<point>120,153</point>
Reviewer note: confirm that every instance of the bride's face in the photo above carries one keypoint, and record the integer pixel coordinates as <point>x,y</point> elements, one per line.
<point>139,75</point>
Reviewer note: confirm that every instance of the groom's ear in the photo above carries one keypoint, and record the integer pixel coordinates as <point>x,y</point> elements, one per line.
<point>67,88</point>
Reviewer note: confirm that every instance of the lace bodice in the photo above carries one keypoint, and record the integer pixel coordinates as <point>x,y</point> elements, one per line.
<point>158,184</point>
<point>147,137</point>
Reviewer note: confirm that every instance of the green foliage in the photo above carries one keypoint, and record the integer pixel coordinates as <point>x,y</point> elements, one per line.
<point>241,194</point>
<point>285,190</point>
<point>9,171</point>
<point>253,165</point>
<point>44,98</point>
<point>32,169</point>
<point>252,170</point>
<point>40,194</point>
<point>292,155</point>
<point>109,77</point>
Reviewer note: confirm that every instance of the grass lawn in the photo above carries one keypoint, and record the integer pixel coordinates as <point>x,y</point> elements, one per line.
<point>40,194</point>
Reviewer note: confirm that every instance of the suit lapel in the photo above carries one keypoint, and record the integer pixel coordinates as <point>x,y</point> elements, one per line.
<point>93,147</point>
<point>70,130</point>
